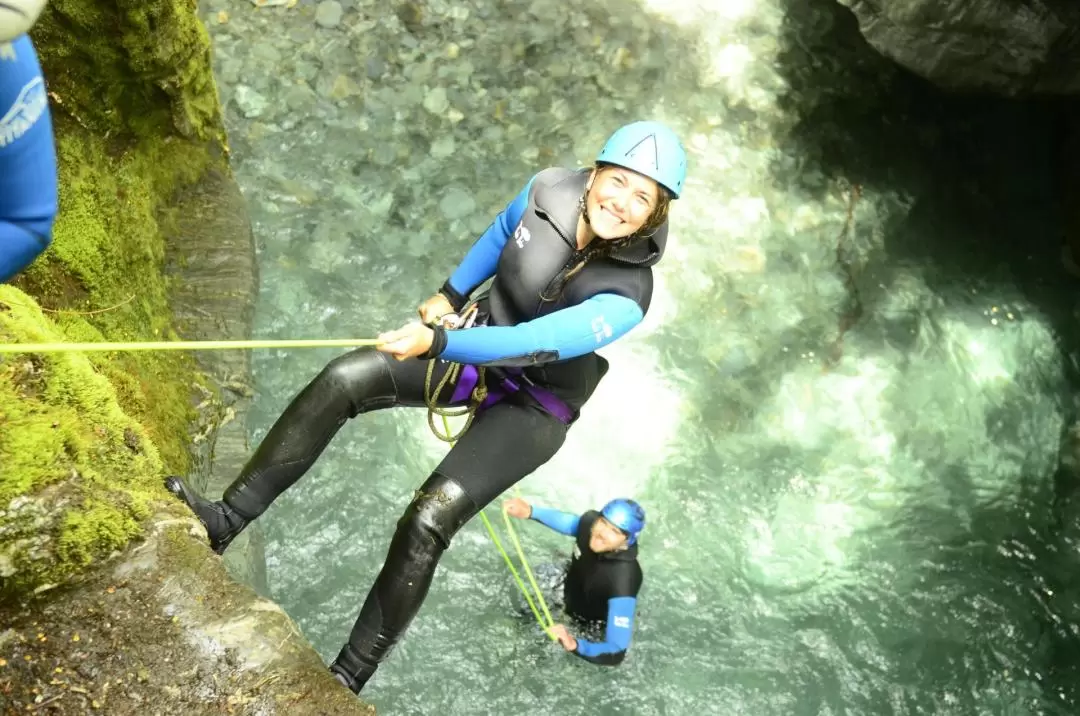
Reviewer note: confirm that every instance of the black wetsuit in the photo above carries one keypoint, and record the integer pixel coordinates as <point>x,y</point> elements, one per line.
<point>552,341</point>
<point>600,588</point>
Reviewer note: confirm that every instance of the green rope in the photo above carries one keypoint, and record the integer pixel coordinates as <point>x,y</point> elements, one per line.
<point>182,345</point>
<point>528,571</point>
<point>545,625</point>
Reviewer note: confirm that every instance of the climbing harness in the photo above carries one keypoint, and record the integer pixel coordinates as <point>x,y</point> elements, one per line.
<point>477,395</point>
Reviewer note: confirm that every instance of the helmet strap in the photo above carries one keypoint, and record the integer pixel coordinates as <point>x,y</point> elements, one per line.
<point>582,205</point>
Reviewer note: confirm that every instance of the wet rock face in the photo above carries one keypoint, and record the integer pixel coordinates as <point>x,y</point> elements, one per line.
<point>107,604</point>
<point>998,46</point>
<point>161,628</point>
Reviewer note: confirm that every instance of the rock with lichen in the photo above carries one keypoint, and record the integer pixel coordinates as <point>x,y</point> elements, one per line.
<point>109,597</point>
<point>998,46</point>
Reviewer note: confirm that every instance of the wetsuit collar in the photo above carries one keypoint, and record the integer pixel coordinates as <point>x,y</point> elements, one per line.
<point>627,555</point>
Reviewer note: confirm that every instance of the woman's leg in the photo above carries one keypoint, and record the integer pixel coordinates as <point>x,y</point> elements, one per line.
<point>354,383</point>
<point>505,443</point>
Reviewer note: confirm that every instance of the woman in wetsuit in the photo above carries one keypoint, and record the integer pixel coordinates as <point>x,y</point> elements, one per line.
<point>603,578</point>
<point>28,181</point>
<point>570,258</point>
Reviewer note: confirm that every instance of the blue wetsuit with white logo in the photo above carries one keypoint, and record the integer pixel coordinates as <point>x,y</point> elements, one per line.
<point>28,194</point>
<point>599,587</point>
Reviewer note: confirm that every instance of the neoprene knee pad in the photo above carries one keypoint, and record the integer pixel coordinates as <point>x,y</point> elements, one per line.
<point>439,509</point>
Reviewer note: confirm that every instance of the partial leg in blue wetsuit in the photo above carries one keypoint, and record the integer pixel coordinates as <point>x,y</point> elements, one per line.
<point>28,177</point>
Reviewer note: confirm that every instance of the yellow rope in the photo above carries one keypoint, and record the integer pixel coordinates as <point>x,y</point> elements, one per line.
<point>477,398</point>
<point>545,625</point>
<point>528,571</point>
<point>183,345</point>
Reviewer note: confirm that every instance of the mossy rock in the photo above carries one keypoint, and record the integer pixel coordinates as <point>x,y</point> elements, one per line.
<point>110,599</point>
<point>76,470</point>
<point>86,438</point>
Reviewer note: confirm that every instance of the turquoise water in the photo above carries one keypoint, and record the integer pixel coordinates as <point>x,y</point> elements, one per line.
<point>845,431</point>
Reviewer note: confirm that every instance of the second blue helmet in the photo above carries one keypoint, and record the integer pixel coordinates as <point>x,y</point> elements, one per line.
<point>627,515</point>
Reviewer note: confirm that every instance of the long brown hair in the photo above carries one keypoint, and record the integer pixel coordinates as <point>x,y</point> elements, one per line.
<point>602,248</point>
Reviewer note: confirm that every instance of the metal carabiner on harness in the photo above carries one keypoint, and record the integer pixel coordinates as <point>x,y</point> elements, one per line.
<point>449,321</point>
<point>456,321</point>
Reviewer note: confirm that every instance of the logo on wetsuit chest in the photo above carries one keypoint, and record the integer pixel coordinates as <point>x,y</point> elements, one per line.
<point>24,113</point>
<point>521,236</point>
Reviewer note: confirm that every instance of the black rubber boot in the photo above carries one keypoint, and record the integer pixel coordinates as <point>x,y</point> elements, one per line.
<point>423,533</point>
<point>222,522</point>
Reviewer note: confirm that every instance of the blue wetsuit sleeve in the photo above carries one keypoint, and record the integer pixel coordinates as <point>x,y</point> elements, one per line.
<point>28,175</point>
<point>557,520</point>
<point>18,248</point>
<point>620,627</point>
<point>482,259</point>
<point>566,333</point>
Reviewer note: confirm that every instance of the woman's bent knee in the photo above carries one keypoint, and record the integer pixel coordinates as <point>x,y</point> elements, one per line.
<point>441,507</point>
<point>364,376</point>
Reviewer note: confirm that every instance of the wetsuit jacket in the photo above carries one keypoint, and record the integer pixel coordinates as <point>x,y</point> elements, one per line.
<point>524,249</point>
<point>598,587</point>
<point>28,194</point>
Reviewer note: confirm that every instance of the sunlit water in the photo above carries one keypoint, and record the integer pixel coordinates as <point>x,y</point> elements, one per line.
<point>844,432</point>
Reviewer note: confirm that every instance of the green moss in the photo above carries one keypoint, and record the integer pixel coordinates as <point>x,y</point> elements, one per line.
<point>85,439</point>
<point>95,528</point>
<point>138,67</point>
<point>108,246</point>
<point>68,446</point>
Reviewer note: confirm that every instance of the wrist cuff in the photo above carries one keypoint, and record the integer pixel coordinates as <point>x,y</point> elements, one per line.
<point>457,300</point>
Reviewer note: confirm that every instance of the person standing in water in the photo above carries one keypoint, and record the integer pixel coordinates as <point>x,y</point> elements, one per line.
<point>603,578</point>
<point>570,258</point>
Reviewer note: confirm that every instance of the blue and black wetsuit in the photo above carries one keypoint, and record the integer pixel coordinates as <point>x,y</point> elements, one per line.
<point>551,341</point>
<point>28,194</point>
<point>599,587</point>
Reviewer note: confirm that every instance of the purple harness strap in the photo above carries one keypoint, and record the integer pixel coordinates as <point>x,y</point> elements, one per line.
<point>505,386</point>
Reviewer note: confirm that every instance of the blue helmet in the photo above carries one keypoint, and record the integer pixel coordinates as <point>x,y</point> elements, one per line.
<point>627,515</point>
<point>651,149</point>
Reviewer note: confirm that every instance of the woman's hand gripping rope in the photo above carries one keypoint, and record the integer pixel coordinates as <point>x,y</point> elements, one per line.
<point>414,339</point>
